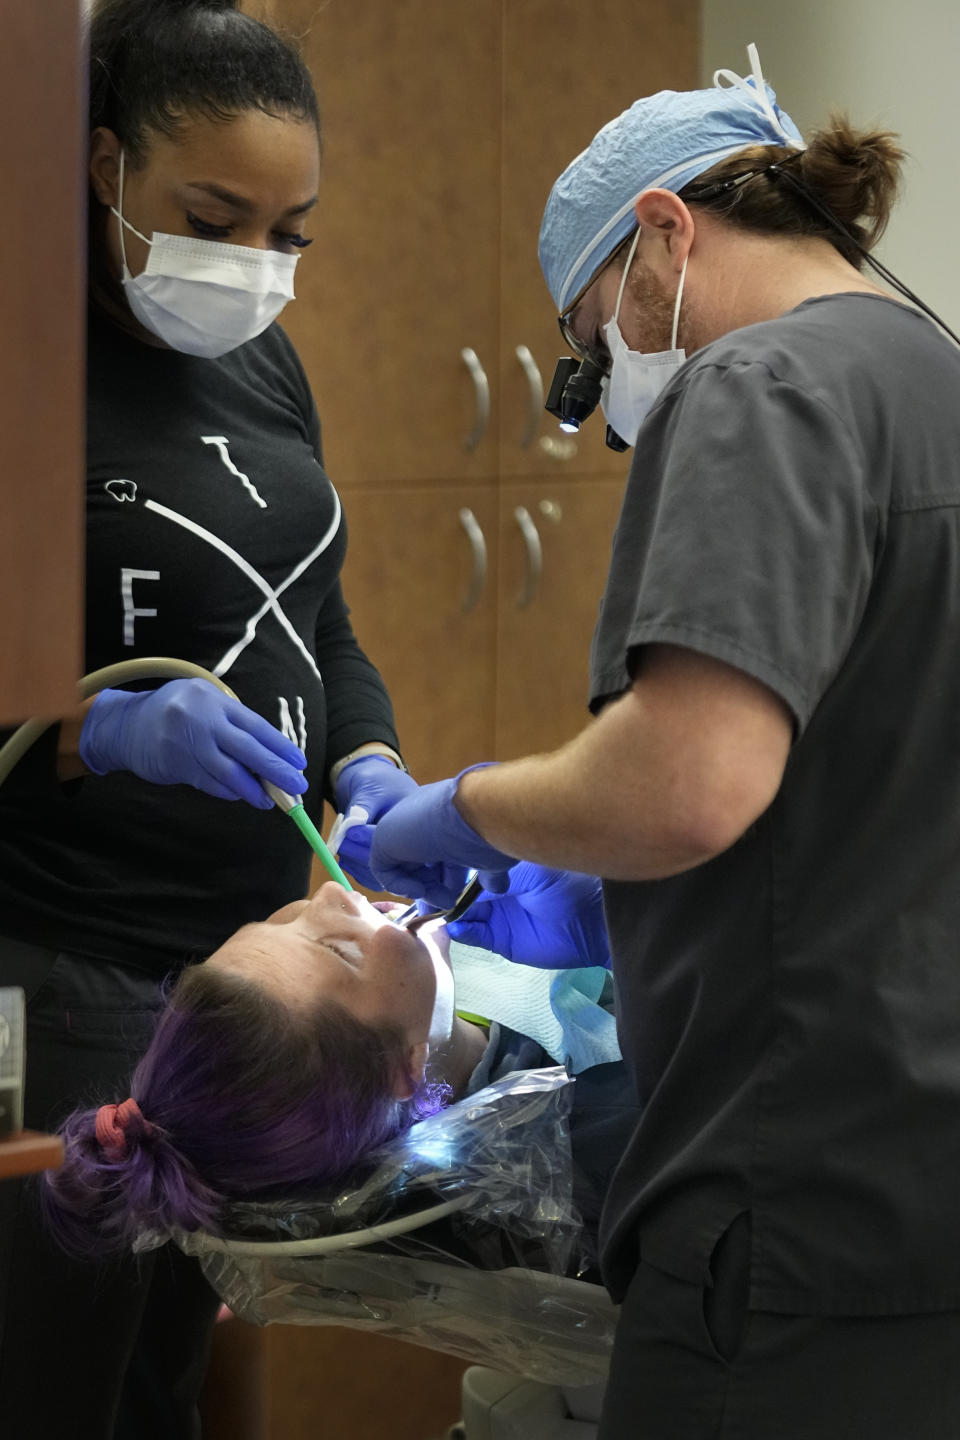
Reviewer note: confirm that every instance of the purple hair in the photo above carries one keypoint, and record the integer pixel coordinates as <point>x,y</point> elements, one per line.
<point>241,1096</point>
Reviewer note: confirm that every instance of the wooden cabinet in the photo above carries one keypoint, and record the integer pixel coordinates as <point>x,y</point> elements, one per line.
<point>495,674</point>
<point>427,615</point>
<point>27,1151</point>
<point>41,375</point>
<point>544,625</point>
<point>404,271</point>
<point>445,124</point>
<point>291,1382</point>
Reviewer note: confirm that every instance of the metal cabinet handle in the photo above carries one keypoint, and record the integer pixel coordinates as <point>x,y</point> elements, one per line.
<point>535,381</point>
<point>482,386</point>
<point>558,447</point>
<point>531,538</point>
<point>478,547</point>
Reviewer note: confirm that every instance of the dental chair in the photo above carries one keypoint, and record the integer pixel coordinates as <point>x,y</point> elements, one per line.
<point>460,1235</point>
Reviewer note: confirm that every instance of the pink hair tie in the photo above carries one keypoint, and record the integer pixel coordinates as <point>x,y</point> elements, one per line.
<point>112,1123</point>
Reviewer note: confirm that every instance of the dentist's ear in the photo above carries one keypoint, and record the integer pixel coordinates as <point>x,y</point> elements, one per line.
<point>667,228</point>
<point>408,1084</point>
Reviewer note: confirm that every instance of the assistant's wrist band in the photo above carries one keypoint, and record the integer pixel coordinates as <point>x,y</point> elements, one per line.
<point>367,751</point>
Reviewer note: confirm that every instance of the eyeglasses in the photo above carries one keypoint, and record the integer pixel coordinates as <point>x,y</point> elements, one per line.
<point>579,347</point>
<point>596,354</point>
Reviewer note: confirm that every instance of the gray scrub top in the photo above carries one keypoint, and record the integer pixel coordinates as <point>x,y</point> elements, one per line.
<point>791,1010</point>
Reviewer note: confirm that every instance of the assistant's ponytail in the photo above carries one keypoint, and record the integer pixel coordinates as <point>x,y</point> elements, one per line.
<point>154,61</point>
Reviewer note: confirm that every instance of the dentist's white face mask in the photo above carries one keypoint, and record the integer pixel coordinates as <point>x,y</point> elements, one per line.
<point>635,379</point>
<point>204,297</point>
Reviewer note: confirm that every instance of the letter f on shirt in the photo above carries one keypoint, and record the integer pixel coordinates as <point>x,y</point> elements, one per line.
<point>131,611</point>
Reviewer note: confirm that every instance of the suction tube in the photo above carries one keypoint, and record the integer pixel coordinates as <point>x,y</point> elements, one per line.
<point>166,668</point>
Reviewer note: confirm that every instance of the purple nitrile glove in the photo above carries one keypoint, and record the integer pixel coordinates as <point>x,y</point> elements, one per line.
<point>374,782</point>
<point>423,846</point>
<point>440,884</point>
<point>552,919</point>
<point>187,732</point>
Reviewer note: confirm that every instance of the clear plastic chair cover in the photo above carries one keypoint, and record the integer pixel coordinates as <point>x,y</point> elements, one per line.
<point>459,1235</point>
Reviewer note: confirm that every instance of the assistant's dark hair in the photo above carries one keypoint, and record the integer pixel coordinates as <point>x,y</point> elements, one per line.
<point>238,1095</point>
<point>154,61</point>
<point>853,173</point>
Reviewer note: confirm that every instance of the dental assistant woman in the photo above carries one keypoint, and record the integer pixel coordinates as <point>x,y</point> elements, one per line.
<point>771,785</point>
<point>136,837</point>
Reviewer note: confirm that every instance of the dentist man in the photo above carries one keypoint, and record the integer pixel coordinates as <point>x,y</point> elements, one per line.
<point>770,785</point>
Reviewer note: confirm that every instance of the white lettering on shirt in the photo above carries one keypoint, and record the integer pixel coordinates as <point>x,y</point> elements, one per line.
<point>298,733</point>
<point>222,443</point>
<point>130,611</point>
<point>271,603</point>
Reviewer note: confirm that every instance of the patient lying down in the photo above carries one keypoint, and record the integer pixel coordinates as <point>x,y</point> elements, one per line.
<point>301,1044</point>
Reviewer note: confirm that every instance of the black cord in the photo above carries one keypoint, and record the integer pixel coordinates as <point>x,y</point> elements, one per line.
<point>779,170</point>
<point>732,182</point>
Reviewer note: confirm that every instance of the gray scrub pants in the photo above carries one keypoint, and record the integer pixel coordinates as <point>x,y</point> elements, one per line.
<point>695,1364</point>
<point>95,1351</point>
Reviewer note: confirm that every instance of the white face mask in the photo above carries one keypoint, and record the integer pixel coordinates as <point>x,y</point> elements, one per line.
<point>635,379</point>
<point>204,297</point>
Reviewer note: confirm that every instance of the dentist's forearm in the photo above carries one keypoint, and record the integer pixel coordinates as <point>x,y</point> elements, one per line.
<point>670,775</point>
<point>561,810</point>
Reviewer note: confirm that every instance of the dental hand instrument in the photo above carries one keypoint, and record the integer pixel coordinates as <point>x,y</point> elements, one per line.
<point>412,918</point>
<point>547,919</point>
<point>294,808</point>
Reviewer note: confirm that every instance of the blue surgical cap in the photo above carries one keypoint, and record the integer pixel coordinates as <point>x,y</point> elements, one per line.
<point>662,142</point>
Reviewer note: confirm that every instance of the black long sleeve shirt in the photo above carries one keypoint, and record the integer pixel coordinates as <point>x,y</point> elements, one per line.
<point>213,535</point>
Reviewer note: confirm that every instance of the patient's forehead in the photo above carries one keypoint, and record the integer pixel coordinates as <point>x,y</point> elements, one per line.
<point>316,936</point>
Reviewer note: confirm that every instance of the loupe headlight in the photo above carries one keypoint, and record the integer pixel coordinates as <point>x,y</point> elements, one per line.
<point>574,395</point>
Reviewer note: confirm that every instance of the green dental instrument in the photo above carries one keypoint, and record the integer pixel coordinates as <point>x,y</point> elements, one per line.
<point>294,808</point>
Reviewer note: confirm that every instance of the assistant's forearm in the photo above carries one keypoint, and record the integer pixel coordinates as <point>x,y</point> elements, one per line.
<point>69,764</point>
